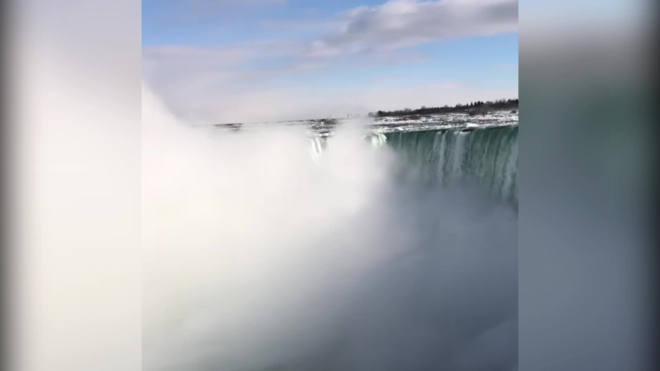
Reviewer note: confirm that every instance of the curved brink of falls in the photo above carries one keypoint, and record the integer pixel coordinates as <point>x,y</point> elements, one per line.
<point>485,157</point>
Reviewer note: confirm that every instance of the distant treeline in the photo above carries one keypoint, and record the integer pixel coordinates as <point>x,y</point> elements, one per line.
<point>474,107</point>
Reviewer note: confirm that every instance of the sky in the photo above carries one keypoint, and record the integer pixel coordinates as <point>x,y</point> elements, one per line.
<point>215,61</point>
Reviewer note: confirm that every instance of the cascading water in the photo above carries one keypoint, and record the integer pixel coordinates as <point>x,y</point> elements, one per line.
<point>378,140</point>
<point>485,157</point>
<point>318,145</point>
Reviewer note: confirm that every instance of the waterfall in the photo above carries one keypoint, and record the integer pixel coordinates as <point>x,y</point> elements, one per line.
<point>318,144</point>
<point>486,157</point>
<point>378,139</point>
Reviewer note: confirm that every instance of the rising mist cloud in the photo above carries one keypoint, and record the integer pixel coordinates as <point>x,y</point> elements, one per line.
<point>258,257</point>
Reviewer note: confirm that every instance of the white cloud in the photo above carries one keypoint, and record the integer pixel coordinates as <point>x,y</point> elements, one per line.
<point>198,55</point>
<point>244,82</point>
<point>218,104</point>
<point>405,23</point>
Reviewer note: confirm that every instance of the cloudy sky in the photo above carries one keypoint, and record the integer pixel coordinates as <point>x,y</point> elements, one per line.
<point>256,60</point>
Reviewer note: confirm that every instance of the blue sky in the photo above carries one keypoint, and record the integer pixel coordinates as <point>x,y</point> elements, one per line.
<point>254,60</point>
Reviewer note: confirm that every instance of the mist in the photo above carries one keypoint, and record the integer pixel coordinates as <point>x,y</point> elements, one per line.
<point>259,256</point>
